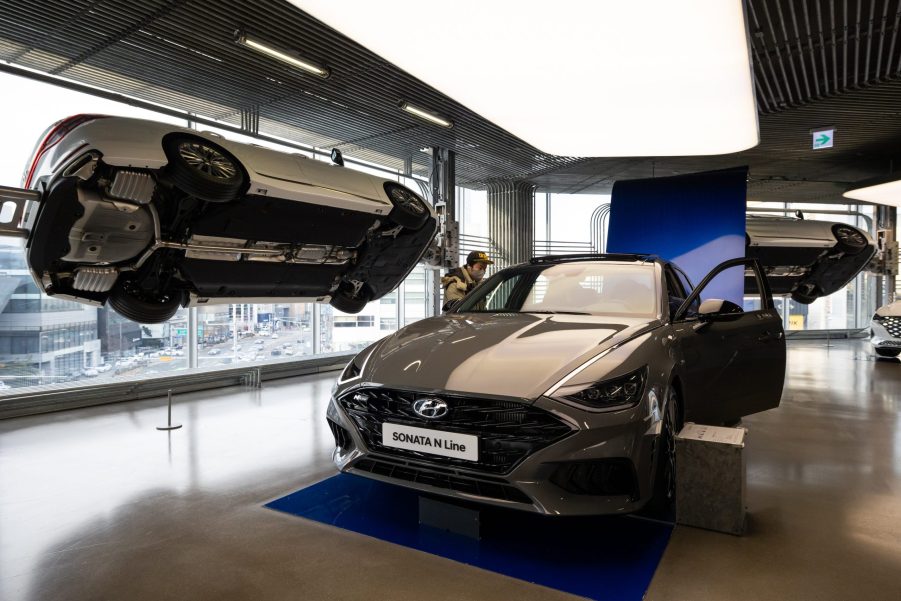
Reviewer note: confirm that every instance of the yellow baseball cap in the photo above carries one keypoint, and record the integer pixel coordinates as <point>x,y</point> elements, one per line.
<point>477,256</point>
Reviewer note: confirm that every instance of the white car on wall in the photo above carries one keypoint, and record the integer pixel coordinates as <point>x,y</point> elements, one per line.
<point>804,258</point>
<point>151,217</point>
<point>885,330</point>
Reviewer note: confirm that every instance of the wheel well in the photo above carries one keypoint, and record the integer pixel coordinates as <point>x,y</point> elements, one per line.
<point>164,140</point>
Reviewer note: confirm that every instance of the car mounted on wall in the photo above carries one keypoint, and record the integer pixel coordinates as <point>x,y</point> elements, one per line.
<point>557,385</point>
<point>151,217</point>
<point>807,259</point>
<point>885,330</point>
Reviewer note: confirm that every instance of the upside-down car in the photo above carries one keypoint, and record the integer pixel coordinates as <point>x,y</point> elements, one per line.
<point>804,258</point>
<point>151,217</point>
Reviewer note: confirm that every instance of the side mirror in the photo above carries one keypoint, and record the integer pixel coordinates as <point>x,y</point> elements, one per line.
<point>717,308</point>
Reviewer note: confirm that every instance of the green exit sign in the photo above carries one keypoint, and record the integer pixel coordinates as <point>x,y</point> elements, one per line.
<point>823,138</point>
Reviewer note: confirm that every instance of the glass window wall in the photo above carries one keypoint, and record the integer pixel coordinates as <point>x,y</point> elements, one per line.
<point>44,340</point>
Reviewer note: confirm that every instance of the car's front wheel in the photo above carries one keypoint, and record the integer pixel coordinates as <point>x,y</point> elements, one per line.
<point>805,293</point>
<point>662,502</point>
<point>850,240</point>
<point>409,210</point>
<point>888,352</point>
<point>347,301</point>
<point>131,302</point>
<point>203,169</point>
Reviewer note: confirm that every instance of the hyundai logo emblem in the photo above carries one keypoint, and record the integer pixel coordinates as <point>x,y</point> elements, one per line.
<point>430,408</point>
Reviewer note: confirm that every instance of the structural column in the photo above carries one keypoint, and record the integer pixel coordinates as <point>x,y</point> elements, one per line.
<point>511,222</point>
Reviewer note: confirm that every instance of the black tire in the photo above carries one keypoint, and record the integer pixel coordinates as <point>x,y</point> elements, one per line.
<point>131,303</point>
<point>203,169</point>
<point>668,448</point>
<point>662,504</point>
<point>805,294</point>
<point>888,352</point>
<point>849,240</point>
<point>409,210</point>
<point>346,302</point>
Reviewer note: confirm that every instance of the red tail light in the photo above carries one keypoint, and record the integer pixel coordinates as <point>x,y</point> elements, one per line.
<point>54,136</point>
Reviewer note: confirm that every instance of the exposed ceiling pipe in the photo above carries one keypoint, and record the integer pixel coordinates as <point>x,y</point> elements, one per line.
<point>789,97</point>
<point>800,50</point>
<point>778,97</point>
<point>788,52</point>
<point>811,52</point>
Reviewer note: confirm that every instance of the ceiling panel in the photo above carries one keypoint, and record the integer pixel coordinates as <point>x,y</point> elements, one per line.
<point>816,63</point>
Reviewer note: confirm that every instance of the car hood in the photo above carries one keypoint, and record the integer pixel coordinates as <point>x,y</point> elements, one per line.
<point>890,310</point>
<point>503,354</point>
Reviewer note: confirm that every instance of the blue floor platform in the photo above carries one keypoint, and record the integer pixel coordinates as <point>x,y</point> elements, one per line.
<point>602,558</point>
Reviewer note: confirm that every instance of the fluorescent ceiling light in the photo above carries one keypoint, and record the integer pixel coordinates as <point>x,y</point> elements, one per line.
<point>282,55</point>
<point>571,77</point>
<point>884,192</point>
<point>429,116</point>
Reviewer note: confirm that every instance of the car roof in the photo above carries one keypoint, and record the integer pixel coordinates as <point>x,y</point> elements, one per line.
<point>595,257</point>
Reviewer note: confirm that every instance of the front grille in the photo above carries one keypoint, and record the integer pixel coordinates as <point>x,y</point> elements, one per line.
<point>890,343</point>
<point>447,481</point>
<point>892,325</point>
<point>508,431</point>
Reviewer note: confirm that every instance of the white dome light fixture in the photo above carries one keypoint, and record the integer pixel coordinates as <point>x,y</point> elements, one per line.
<point>883,191</point>
<point>576,78</point>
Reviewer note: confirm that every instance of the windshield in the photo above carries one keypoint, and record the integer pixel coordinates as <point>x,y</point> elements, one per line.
<point>583,288</point>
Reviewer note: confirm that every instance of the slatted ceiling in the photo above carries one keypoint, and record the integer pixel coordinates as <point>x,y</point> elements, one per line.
<point>804,50</point>
<point>175,35</point>
<point>817,62</point>
<point>125,85</point>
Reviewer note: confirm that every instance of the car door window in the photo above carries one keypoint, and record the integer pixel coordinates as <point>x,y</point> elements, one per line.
<point>728,282</point>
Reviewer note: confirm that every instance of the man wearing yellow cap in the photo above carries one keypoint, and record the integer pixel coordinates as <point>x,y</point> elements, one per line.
<point>459,282</point>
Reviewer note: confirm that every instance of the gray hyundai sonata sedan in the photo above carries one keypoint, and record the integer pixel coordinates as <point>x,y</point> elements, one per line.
<point>557,386</point>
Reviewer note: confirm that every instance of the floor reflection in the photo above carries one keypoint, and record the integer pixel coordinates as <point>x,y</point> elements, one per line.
<point>98,504</point>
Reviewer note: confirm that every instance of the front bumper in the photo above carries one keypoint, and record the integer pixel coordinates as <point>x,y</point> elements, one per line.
<point>608,453</point>
<point>886,333</point>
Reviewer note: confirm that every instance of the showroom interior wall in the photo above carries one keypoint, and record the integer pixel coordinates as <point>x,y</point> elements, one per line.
<point>47,344</point>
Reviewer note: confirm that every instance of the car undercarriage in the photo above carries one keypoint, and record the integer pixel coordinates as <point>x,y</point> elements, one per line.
<point>137,239</point>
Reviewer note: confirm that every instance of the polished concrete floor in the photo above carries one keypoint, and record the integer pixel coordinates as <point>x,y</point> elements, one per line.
<point>97,504</point>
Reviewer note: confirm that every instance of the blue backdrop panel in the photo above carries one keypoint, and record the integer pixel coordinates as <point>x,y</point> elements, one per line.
<point>604,558</point>
<point>697,221</point>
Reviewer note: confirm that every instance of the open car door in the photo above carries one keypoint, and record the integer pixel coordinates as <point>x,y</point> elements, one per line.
<point>731,358</point>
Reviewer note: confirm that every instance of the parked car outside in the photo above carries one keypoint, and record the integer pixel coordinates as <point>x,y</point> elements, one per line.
<point>151,217</point>
<point>558,385</point>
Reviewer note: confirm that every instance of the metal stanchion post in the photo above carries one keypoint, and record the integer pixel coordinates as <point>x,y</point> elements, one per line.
<point>169,425</point>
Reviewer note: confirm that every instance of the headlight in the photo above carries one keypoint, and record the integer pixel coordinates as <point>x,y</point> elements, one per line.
<point>622,392</point>
<point>351,371</point>
<point>356,366</point>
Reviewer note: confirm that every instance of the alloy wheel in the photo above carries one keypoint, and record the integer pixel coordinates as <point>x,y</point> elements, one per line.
<point>207,160</point>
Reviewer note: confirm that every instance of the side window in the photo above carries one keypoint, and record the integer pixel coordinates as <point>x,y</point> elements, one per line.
<point>737,285</point>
